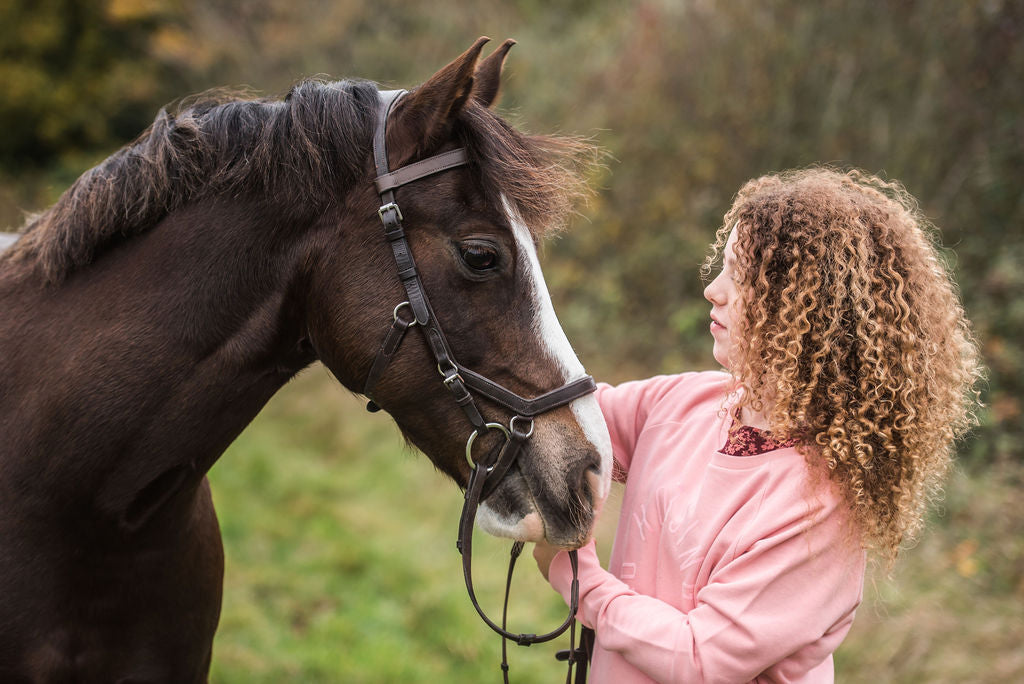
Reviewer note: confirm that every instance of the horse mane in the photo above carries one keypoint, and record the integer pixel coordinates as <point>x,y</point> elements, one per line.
<point>297,153</point>
<point>544,177</point>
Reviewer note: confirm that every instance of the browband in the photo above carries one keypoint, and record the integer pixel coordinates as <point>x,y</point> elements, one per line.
<point>421,169</point>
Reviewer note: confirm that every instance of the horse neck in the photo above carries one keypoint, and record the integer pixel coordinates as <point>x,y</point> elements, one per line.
<point>168,345</point>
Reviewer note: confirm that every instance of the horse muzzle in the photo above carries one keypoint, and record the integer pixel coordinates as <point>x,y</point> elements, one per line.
<point>550,493</point>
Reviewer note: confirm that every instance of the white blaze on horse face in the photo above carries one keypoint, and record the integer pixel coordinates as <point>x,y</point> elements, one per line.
<point>586,409</point>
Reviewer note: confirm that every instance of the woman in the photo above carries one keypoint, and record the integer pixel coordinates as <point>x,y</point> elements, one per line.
<point>753,495</point>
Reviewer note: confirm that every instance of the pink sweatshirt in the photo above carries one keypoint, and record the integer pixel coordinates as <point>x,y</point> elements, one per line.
<point>724,568</point>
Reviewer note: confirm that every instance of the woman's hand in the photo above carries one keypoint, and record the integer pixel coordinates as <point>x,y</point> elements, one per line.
<point>544,553</point>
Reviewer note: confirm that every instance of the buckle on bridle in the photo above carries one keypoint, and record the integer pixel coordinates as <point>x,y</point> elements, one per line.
<point>449,374</point>
<point>449,379</point>
<point>389,207</point>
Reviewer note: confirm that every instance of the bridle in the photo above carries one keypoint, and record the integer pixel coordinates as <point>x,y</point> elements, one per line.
<point>487,472</point>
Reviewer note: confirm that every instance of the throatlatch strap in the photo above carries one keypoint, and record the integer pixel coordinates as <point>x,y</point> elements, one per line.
<point>387,351</point>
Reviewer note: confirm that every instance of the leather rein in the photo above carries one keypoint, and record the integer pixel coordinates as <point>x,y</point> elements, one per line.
<point>487,472</point>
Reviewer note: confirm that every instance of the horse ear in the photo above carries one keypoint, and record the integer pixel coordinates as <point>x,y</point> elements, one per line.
<point>430,109</point>
<point>488,75</point>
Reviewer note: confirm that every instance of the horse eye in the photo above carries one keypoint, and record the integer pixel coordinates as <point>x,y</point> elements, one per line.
<point>479,257</point>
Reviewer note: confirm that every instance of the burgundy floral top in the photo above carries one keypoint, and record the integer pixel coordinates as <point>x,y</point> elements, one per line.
<point>750,441</point>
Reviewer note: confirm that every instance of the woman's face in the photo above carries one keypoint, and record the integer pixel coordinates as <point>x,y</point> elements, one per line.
<point>724,297</point>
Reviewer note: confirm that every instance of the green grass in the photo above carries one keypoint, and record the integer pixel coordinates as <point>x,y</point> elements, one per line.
<point>341,567</point>
<point>341,559</point>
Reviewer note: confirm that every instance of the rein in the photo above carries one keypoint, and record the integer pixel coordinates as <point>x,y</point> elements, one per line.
<point>487,472</point>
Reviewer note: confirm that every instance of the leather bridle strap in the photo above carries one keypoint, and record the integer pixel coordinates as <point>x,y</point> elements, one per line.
<point>391,215</point>
<point>456,377</point>
<point>486,473</point>
<point>421,169</point>
<point>465,546</point>
<point>527,407</point>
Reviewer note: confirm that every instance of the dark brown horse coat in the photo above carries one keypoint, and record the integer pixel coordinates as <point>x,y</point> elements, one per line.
<point>149,315</point>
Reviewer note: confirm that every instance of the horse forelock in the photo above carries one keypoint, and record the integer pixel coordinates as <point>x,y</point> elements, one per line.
<point>544,178</point>
<point>298,154</point>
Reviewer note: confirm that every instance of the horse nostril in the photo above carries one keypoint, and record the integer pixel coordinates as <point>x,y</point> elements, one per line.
<point>593,483</point>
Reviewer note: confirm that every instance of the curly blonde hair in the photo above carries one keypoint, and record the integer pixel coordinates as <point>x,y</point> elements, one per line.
<point>852,339</point>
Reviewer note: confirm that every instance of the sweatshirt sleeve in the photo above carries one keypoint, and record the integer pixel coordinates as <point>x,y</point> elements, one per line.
<point>626,409</point>
<point>779,599</point>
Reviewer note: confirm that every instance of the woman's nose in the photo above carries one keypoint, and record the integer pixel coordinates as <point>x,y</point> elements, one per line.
<point>711,292</point>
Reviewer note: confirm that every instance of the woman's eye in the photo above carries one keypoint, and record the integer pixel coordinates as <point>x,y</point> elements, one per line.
<point>479,257</point>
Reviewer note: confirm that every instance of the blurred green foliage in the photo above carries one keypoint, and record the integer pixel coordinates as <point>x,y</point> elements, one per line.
<point>77,76</point>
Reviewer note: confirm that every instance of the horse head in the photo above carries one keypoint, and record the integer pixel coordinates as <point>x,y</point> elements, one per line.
<point>474,231</point>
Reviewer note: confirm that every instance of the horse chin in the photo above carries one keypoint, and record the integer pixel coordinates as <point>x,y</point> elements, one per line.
<point>512,512</point>
<point>529,527</point>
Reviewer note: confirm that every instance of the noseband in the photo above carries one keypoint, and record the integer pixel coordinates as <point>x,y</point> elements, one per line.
<point>487,472</point>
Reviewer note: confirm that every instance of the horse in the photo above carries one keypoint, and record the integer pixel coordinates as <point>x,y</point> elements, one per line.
<point>172,289</point>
